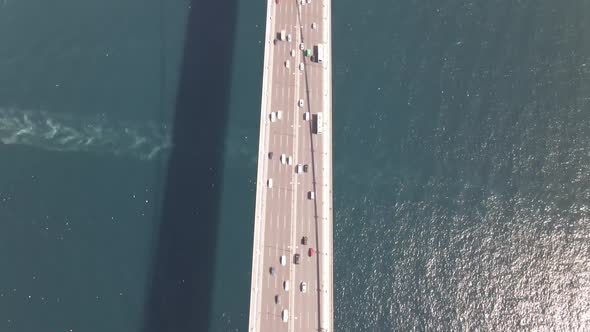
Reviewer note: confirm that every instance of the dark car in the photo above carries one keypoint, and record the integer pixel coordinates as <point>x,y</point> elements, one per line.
<point>311,252</point>
<point>296,258</point>
<point>277,299</point>
<point>305,168</point>
<point>304,240</point>
<point>272,271</point>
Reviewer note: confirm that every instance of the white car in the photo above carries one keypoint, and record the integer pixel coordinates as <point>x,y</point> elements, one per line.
<point>311,195</point>
<point>269,183</point>
<point>292,53</point>
<point>301,66</point>
<point>286,285</point>
<point>302,46</point>
<point>285,315</point>
<point>279,114</point>
<point>283,158</point>
<point>300,103</point>
<point>298,168</point>
<point>306,116</point>
<point>314,25</point>
<point>273,117</point>
<point>289,161</point>
<point>289,37</point>
<point>287,64</point>
<point>283,260</point>
<point>303,287</point>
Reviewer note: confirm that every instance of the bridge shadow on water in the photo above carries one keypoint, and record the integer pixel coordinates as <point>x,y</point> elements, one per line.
<point>179,291</point>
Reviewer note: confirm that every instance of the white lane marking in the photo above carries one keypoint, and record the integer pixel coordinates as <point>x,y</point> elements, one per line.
<point>271,192</point>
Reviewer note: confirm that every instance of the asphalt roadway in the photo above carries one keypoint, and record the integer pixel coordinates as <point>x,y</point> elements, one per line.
<point>285,210</point>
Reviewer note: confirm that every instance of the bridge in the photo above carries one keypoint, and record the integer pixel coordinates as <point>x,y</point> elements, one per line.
<point>292,252</point>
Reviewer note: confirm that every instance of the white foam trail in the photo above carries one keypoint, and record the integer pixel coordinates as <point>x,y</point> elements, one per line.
<point>75,133</point>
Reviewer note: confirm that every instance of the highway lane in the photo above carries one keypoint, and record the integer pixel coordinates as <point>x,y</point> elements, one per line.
<point>287,212</point>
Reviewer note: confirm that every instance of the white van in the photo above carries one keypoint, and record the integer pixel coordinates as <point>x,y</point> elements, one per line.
<point>285,315</point>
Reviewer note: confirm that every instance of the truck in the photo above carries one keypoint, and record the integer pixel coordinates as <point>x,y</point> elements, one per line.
<point>319,53</point>
<point>318,123</point>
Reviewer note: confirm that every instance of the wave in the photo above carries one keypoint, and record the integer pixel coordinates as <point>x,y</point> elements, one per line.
<point>74,133</point>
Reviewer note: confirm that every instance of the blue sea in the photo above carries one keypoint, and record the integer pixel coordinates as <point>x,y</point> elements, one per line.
<point>129,134</point>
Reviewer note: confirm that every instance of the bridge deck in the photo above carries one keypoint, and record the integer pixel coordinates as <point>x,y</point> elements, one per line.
<point>285,210</point>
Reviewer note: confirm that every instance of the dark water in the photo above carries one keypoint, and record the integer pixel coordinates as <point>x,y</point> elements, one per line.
<point>117,164</point>
<point>462,165</point>
<point>127,169</point>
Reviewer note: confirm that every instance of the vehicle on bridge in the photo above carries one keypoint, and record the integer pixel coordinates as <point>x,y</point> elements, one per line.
<point>319,53</point>
<point>318,124</point>
<point>304,240</point>
<point>298,169</point>
<point>303,287</point>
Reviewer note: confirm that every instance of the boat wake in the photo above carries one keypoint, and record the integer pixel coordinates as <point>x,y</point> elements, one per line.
<point>74,133</point>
